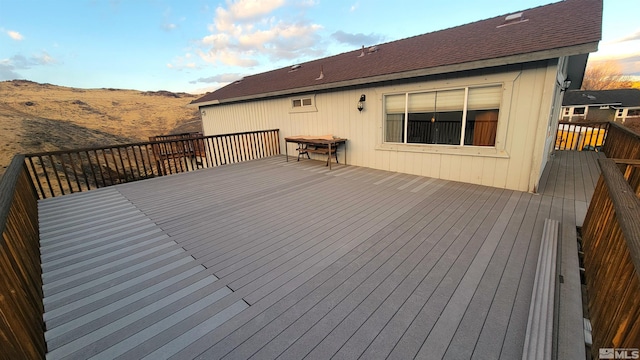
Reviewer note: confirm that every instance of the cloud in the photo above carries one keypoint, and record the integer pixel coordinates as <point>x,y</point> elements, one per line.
<point>22,62</point>
<point>245,32</point>
<point>15,35</point>
<point>169,27</point>
<point>167,24</point>
<point>629,64</point>
<point>356,39</point>
<point>219,79</point>
<point>9,68</point>
<point>183,62</point>
<point>44,59</point>
<point>630,37</point>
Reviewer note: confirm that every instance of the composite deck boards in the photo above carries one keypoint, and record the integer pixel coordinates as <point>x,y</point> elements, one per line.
<point>272,259</point>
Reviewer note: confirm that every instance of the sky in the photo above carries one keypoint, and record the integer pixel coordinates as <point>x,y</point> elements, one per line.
<point>197,45</point>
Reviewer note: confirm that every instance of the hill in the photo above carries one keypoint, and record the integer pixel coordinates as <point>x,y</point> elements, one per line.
<point>43,117</point>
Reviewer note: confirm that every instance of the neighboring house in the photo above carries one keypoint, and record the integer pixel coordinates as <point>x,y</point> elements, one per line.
<point>477,103</point>
<point>602,105</point>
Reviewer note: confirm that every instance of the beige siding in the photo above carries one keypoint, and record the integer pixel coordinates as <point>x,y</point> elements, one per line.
<point>514,163</point>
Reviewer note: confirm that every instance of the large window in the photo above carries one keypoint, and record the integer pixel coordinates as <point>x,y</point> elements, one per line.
<point>467,116</point>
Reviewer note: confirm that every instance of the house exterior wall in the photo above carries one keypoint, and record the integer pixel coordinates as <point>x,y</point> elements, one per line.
<point>555,101</point>
<point>525,118</point>
<point>574,113</point>
<point>628,113</point>
<point>601,113</point>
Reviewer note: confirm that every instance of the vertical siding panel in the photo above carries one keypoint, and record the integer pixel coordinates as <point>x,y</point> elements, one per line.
<point>445,167</point>
<point>536,115</point>
<point>467,173</point>
<point>488,171</point>
<point>477,169</point>
<point>501,173</point>
<point>412,163</point>
<point>431,165</point>
<point>392,164</point>
<point>455,170</point>
<point>523,129</point>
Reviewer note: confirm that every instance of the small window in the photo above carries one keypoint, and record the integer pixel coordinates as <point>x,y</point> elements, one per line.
<point>302,102</point>
<point>578,111</point>
<point>633,112</point>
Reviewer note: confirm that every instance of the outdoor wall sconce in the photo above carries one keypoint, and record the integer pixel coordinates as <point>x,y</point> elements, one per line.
<point>565,85</point>
<point>361,102</point>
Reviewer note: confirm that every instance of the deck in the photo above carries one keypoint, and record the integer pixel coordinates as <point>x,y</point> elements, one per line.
<point>273,259</point>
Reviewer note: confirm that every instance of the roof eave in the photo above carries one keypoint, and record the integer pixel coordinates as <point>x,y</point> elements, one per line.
<point>508,60</point>
<point>205,103</point>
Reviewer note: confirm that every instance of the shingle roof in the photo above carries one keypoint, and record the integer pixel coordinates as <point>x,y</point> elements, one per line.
<point>543,32</point>
<point>620,97</point>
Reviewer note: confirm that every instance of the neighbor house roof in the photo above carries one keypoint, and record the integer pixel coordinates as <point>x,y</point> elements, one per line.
<point>569,27</point>
<point>619,97</point>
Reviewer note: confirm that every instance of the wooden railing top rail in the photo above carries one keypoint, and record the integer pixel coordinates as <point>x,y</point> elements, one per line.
<point>626,204</point>
<point>583,123</point>
<point>176,136</point>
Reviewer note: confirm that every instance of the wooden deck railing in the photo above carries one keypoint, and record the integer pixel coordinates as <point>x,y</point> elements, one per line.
<point>21,307</point>
<point>581,136</point>
<point>611,241</point>
<point>67,171</point>
<point>624,144</point>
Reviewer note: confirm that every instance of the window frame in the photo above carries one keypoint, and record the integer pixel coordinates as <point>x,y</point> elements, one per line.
<point>464,120</point>
<point>633,112</point>
<point>577,109</point>
<point>303,108</point>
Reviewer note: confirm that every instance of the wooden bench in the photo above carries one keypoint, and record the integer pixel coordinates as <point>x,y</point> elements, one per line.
<point>538,342</point>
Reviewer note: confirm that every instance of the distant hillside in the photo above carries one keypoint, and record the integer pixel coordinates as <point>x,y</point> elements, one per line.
<point>43,117</point>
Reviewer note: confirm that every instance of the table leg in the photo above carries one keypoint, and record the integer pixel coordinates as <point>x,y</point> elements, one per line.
<point>344,145</point>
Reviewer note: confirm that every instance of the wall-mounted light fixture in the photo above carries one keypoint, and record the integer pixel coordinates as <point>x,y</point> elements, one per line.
<point>204,113</point>
<point>363,98</point>
<point>565,85</point>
